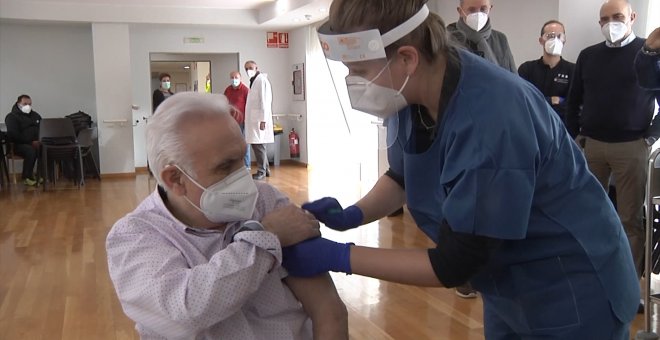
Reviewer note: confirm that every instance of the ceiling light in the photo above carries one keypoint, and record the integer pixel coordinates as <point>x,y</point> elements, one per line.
<point>187,67</point>
<point>322,9</point>
<point>296,19</point>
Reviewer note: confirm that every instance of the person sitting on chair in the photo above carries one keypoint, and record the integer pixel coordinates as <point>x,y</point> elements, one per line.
<point>23,131</point>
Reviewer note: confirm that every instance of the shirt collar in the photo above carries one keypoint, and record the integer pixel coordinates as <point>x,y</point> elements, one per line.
<point>623,43</point>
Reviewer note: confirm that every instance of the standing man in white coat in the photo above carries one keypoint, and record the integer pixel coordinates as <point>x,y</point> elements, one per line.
<point>259,117</point>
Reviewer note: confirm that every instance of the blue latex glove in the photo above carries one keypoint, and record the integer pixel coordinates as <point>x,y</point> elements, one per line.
<point>315,256</point>
<point>329,212</point>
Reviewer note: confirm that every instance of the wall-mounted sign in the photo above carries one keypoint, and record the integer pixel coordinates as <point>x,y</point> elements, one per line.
<point>277,40</point>
<point>272,39</point>
<point>298,81</point>
<point>193,40</point>
<point>283,40</point>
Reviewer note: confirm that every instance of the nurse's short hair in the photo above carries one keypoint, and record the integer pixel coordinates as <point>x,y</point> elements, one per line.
<point>164,134</point>
<point>430,38</point>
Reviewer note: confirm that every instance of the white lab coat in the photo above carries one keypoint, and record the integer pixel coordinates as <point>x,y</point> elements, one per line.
<point>258,108</point>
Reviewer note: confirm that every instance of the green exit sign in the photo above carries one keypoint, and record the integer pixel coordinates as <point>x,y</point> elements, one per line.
<point>193,40</point>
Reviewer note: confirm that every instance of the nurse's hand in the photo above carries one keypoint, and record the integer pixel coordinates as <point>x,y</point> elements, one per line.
<point>316,256</point>
<point>330,212</point>
<point>653,41</point>
<point>291,224</point>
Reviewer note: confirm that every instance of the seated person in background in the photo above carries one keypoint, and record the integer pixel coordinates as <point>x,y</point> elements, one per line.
<point>23,131</point>
<point>200,257</point>
<point>647,62</point>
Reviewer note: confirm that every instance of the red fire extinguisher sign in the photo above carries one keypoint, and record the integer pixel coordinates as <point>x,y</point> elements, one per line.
<point>294,144</point>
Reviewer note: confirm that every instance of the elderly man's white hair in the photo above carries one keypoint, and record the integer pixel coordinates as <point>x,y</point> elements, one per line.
<point>164,141</point>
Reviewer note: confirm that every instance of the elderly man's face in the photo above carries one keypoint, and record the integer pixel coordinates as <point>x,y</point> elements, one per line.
<point>215,148</point>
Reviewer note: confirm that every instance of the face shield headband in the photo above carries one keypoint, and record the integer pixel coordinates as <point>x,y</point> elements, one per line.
<point>365,45</point>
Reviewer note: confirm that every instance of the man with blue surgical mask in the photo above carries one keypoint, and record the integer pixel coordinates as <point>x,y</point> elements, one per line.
<point>613,117</point>
<point>473,30</point>
<point>551,73</point>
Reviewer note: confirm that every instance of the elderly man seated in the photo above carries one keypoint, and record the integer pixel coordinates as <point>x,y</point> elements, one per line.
<point>200,257</point>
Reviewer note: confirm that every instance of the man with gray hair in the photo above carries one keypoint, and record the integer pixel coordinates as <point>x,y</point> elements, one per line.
<point>200,257</point>
<point>473,30</point>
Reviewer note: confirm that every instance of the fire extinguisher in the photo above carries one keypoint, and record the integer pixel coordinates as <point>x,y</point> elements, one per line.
<point>294,144</point>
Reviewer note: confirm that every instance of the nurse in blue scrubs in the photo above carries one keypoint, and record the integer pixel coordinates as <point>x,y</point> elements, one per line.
<point>647,62</point>
<point>487,171</point>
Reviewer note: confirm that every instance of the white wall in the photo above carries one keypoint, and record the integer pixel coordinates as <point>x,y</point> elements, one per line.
<point>53,63</point>
<point>112,70</point>
<point>297,51</point>
<point>581,21</point>
<point>250,44</point>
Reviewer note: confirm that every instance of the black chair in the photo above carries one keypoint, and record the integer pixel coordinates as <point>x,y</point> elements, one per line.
<point>86,139</point>
<point>4,150</point>
<point>59,143</point>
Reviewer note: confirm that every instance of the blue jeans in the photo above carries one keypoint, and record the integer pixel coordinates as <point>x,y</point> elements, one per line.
<point>247,152</point>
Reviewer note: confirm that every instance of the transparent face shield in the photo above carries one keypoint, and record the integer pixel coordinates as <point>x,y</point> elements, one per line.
<point>362,79</point>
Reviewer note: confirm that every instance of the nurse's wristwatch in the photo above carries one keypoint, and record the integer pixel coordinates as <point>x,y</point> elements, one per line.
<point>646,50</point>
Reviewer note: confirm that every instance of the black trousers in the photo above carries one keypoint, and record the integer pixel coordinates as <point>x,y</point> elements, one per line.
<point>29,155</point>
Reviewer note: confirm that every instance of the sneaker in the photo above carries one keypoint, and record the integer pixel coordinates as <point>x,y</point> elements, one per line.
<point>29,182</point>
<point>466,291</point>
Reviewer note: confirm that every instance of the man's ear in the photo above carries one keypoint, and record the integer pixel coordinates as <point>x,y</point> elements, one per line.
<point>541,41</point>
<point>410,57</point>
<point>633,16</point>
<point>173,180</point>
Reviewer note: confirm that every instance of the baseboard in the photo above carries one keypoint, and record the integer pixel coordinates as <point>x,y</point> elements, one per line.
<point>141,170</point>
<point>119,175</point>
<point>293,162</point>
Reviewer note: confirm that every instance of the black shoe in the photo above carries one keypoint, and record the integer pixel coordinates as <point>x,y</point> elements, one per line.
<point>259,175</point>
<point>640,308</point>
<point>268,174</point>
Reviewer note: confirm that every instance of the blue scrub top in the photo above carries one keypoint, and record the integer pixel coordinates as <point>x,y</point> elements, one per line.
<point>504,166</point>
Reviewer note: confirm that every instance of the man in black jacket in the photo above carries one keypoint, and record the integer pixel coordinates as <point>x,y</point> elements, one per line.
<point>23,131</point>
<point>551,73</point>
